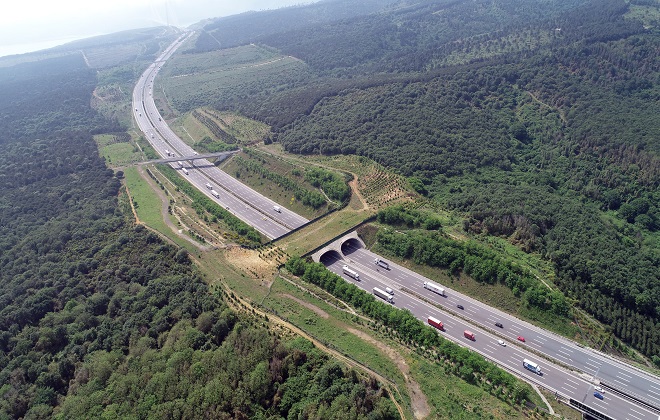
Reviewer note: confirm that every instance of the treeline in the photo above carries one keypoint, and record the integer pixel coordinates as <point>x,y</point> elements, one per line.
<point>214,128</point>
<point>402,216</point>
<point>607,269</point>
<point>530,143</point>
<point>202,205</point>
<point>245,28</point>
<point>309,198</point>
<point>455,359</point>
<point>100,318</point>
<point>475,260</point>
<point>333,184</point>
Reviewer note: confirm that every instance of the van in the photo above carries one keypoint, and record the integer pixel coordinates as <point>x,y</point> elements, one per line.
<point>390,291</point>
<point>277,209</point>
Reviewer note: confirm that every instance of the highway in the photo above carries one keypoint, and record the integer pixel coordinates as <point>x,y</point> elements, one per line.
<point>242,201</point>
<point>258,211</point>
<point>537,341</point>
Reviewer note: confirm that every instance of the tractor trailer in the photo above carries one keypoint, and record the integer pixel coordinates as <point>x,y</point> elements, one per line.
<point>529,365</point>
<point>383,295</point>
<point>434,288</point>
<point>351,273</point>
<point>436,323</point>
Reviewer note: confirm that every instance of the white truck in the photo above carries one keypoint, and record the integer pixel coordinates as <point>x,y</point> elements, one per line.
<point>185,171</point>
<point>351,273</point>
<point>383,295</point>
<point>429,285</point>
<point>534,367</point>
<point>382,263</point>
<point>180,164</point>
<point>277,209</point>
<point>215,194</point>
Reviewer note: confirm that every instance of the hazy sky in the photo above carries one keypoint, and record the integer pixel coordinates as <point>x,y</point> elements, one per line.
<point>29,25</point>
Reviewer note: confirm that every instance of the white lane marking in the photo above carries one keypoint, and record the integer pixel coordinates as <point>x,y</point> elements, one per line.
<point>596,366</point>
<point>562,352</point>
<point>570,386</point>
<point>654,387</point>
<point>623,374</point>
<point>623,379</point>
<point>541,338</point>
<point>632,409</point>
<point>630,415</point>
<point>573,382</point>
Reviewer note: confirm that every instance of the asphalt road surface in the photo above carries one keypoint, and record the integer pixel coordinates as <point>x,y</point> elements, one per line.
<point>245,203</point>
<point>595,366</point>
<point>258,211</point>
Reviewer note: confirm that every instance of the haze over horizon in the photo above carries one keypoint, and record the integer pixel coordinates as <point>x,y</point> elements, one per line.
<point>34,25</point>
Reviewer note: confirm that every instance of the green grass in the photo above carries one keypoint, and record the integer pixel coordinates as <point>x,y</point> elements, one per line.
<point>115,151</point>
<point>193,80</point>
<point>148,207</point>
<point>190,130</point>
<point>120,154</point>
<point>270,188</point>
<point>453,398</point>
<point>324,229</point>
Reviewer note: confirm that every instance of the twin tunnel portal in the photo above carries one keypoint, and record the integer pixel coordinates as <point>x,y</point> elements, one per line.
<point>339,249</point>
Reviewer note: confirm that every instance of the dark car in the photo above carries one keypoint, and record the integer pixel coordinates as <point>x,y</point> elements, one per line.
<point>460,306</point>
<point>598,395</point>
<point>499,324</point>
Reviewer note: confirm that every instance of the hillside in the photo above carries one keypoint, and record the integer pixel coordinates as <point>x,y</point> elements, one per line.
<point>536,121</point>
<point>100,317</point>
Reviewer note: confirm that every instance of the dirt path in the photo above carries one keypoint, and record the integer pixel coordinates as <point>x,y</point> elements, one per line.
<point>356,191</point>
<point>274,318</point>
<point>163,210</point>
<point>418,400</point>
<point>130,200</point>
<point>320,312</point>
<point>559,111</point>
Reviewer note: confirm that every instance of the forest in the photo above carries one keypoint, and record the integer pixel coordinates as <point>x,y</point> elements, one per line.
<point>100,317</point>
<point>535,120</point>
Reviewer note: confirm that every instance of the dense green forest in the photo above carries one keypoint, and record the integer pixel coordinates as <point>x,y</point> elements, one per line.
<point>536,120</point>
<point>101,318</point>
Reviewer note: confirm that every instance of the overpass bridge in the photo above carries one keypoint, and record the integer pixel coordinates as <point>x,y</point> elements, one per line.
<point>221,155</point>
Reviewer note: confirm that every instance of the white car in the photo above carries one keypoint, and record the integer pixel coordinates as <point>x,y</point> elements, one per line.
<point>501,343</point>
<point>599,389</point>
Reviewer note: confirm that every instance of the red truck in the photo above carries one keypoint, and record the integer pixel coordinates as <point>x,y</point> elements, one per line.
<point>436,323</point>
<point>469,335</point>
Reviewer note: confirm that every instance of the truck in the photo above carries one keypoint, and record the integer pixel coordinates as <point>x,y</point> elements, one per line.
<point>215,194</point>
<point>277,209</point>
<point>383,295</point>
<point>185,171</point>
<point>180,164</point>
<point>469,335</point>
<point>351,273</point>
<point>534,367</point>
<point>167,152</point>
<point>209,186</point>
<point>436,323</point>
<point>434,288</point>
<point>382,263</point>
